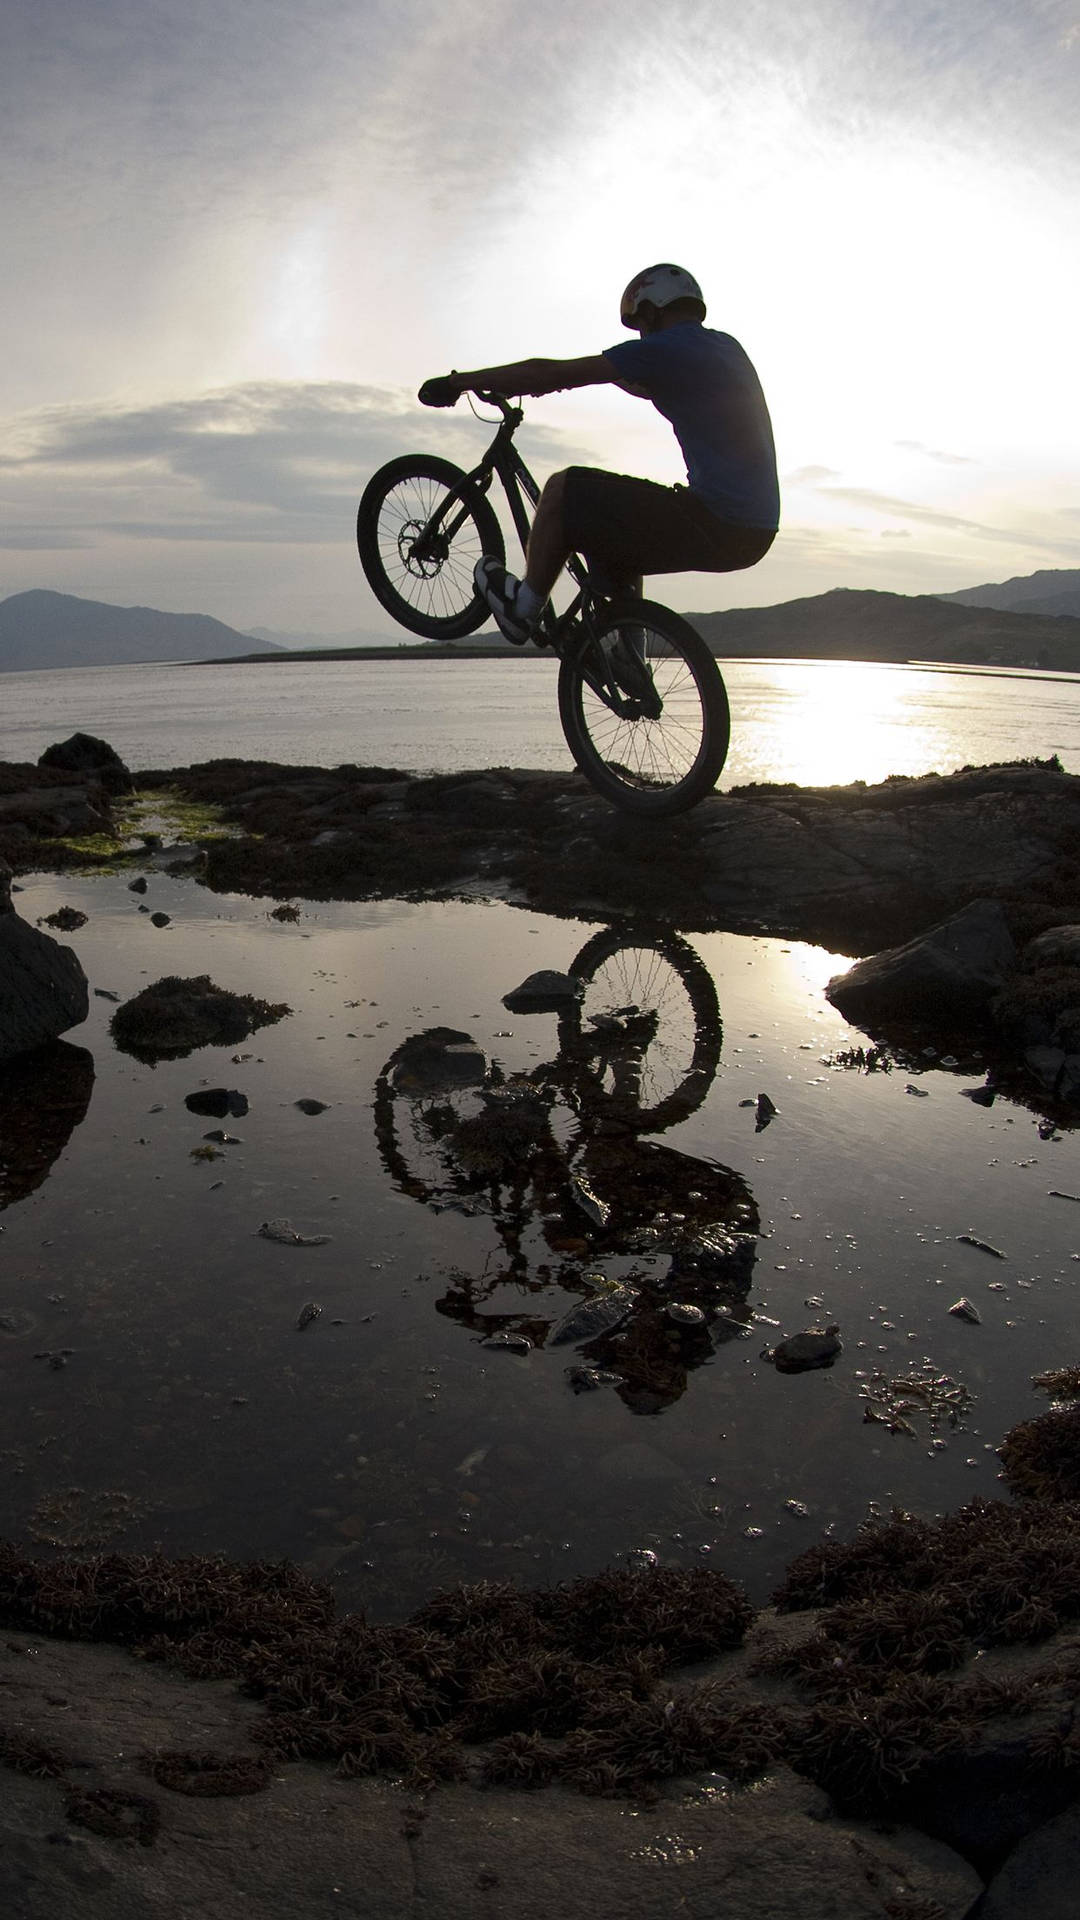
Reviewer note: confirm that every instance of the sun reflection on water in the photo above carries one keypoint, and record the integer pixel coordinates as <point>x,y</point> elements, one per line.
<point>831,722</point>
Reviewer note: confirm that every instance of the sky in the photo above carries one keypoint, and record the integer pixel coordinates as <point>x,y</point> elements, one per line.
<point>238,234</point>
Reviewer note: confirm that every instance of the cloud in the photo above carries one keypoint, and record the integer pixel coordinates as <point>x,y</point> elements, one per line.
<point>935,453</point>
<point>262,461</point>
<point>953,522</point>
<point>809,476</point>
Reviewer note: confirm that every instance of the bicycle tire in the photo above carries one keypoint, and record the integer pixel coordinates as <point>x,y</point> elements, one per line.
<point>649,764</point>
<point>654,972</point>
<point>433,594</point>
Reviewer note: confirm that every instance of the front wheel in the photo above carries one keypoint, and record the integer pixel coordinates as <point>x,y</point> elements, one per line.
<point>420,531</point>
<point>644,709</point>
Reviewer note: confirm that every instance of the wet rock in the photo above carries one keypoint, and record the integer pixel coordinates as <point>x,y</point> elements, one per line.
<point>963,1309</point>
<point>766,1110</point>
<point>16,1321</point>
<point>311,1106</point>
<point>509,1342</point>
<point>174,1016</point>
<point>590,1319</point>
<point>1039,1876</point>
<point>970,1240</point>
<point>436,1061</point>
<point>1057,947</point>
<point>43,989</point>
<point>65,919</point>
<point>216,1103</point>
<point>543,992</point>
<point>720,1257</point>
<point>585,1196</point>
<point>286,1235</point>
<point>589,1379</point>
<point>309,1311</point>
<point>682,1314</point>
<point>804,1351</point>
<point>952,971</point>
<point>83,753</point>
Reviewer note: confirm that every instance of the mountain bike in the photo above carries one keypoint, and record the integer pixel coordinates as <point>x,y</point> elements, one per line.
<point>641,699</point>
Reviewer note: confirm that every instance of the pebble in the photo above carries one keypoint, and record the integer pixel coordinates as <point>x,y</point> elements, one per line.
<point>964,1310</point>
<point>287,1236</point>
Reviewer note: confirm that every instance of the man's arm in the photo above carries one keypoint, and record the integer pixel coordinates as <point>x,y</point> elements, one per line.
<point>538,376</point>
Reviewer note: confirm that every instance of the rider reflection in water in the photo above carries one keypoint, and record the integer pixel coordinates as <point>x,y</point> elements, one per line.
<point>554,1157</point>
<point>724,519</point>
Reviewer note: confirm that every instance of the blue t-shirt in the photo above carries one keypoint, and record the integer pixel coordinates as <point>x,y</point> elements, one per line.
<point>704,383</point>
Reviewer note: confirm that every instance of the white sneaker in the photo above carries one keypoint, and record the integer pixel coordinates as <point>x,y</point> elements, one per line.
<point>500,590</point>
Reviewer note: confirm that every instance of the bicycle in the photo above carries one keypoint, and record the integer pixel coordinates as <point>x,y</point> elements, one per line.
<point>642,702</point>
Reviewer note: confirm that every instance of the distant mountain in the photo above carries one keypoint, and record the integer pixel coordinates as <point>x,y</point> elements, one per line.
<point>848,624</point>
<point>40,629</point>
<point>1052,590</point>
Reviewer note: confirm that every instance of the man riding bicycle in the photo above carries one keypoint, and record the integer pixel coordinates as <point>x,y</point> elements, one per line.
<point>725,518</point>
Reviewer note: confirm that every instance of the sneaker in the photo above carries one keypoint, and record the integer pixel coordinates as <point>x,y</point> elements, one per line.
<point>500,590</point>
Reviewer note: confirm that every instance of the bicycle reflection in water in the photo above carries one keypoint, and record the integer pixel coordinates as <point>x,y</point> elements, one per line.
<point>655,1247</point>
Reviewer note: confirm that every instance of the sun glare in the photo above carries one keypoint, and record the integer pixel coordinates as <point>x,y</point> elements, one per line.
<point>831,722</point>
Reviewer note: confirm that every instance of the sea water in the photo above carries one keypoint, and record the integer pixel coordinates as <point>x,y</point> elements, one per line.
<point>812,722</point>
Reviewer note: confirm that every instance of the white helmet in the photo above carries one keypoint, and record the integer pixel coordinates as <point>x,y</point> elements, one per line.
<point>660,287</point>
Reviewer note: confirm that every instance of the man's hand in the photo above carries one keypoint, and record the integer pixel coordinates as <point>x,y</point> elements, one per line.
<point>444,391</point>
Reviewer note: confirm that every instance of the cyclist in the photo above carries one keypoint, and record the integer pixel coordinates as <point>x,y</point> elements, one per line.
<point>702,381</point>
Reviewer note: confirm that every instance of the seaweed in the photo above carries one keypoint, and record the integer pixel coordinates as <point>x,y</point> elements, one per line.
<point>1041,1457</point>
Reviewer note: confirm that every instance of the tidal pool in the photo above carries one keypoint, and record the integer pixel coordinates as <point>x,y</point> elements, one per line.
<point>157,1389</point>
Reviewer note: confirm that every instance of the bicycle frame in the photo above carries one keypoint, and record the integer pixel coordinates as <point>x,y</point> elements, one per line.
<point>571,634</point>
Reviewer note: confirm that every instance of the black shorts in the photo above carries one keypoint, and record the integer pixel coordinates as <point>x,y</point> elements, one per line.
<point>626,527</point>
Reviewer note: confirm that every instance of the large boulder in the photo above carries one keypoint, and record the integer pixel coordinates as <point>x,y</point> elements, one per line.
<point>84,753</point>
<point>43,989</point>
<point>951,972</point>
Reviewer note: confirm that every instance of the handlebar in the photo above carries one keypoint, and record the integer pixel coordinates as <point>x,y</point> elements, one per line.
<point>442,391</point>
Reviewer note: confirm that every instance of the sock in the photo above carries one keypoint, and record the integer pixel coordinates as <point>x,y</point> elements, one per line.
<point>527,604</point>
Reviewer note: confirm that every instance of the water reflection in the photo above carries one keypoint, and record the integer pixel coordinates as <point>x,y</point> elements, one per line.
<point>43,1098</point>
<point>829,722</point>
<point>653,1248</point>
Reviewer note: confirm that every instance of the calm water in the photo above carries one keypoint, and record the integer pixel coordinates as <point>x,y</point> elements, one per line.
<point>809,721</point>
<point>386,1446</point>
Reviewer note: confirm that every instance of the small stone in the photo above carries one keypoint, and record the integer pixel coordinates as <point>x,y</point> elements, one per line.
<point>682,1314</point>
<point>964,1310</point>
<point>311,1106</point>
<point>640,1559</point>
<point>543,992</point>
<point>160,919</point>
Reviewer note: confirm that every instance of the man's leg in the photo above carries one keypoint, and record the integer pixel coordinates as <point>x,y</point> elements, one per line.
<point>518,604</point>
<point>547,551</point>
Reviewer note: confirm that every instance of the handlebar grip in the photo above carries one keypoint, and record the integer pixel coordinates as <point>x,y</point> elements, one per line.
<point>440,392</point>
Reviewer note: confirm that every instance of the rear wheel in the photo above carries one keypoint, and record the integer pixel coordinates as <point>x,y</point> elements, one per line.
<point>420,531</point>
<point>644,709</point>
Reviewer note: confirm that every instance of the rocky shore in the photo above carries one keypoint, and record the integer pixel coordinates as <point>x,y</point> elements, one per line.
<point>894,1737</point>
<point>859,869</point>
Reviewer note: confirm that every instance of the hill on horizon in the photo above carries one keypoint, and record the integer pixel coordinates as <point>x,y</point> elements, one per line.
<point>851,623</point>
<point>42,629</point>
<point>1050,590</point>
